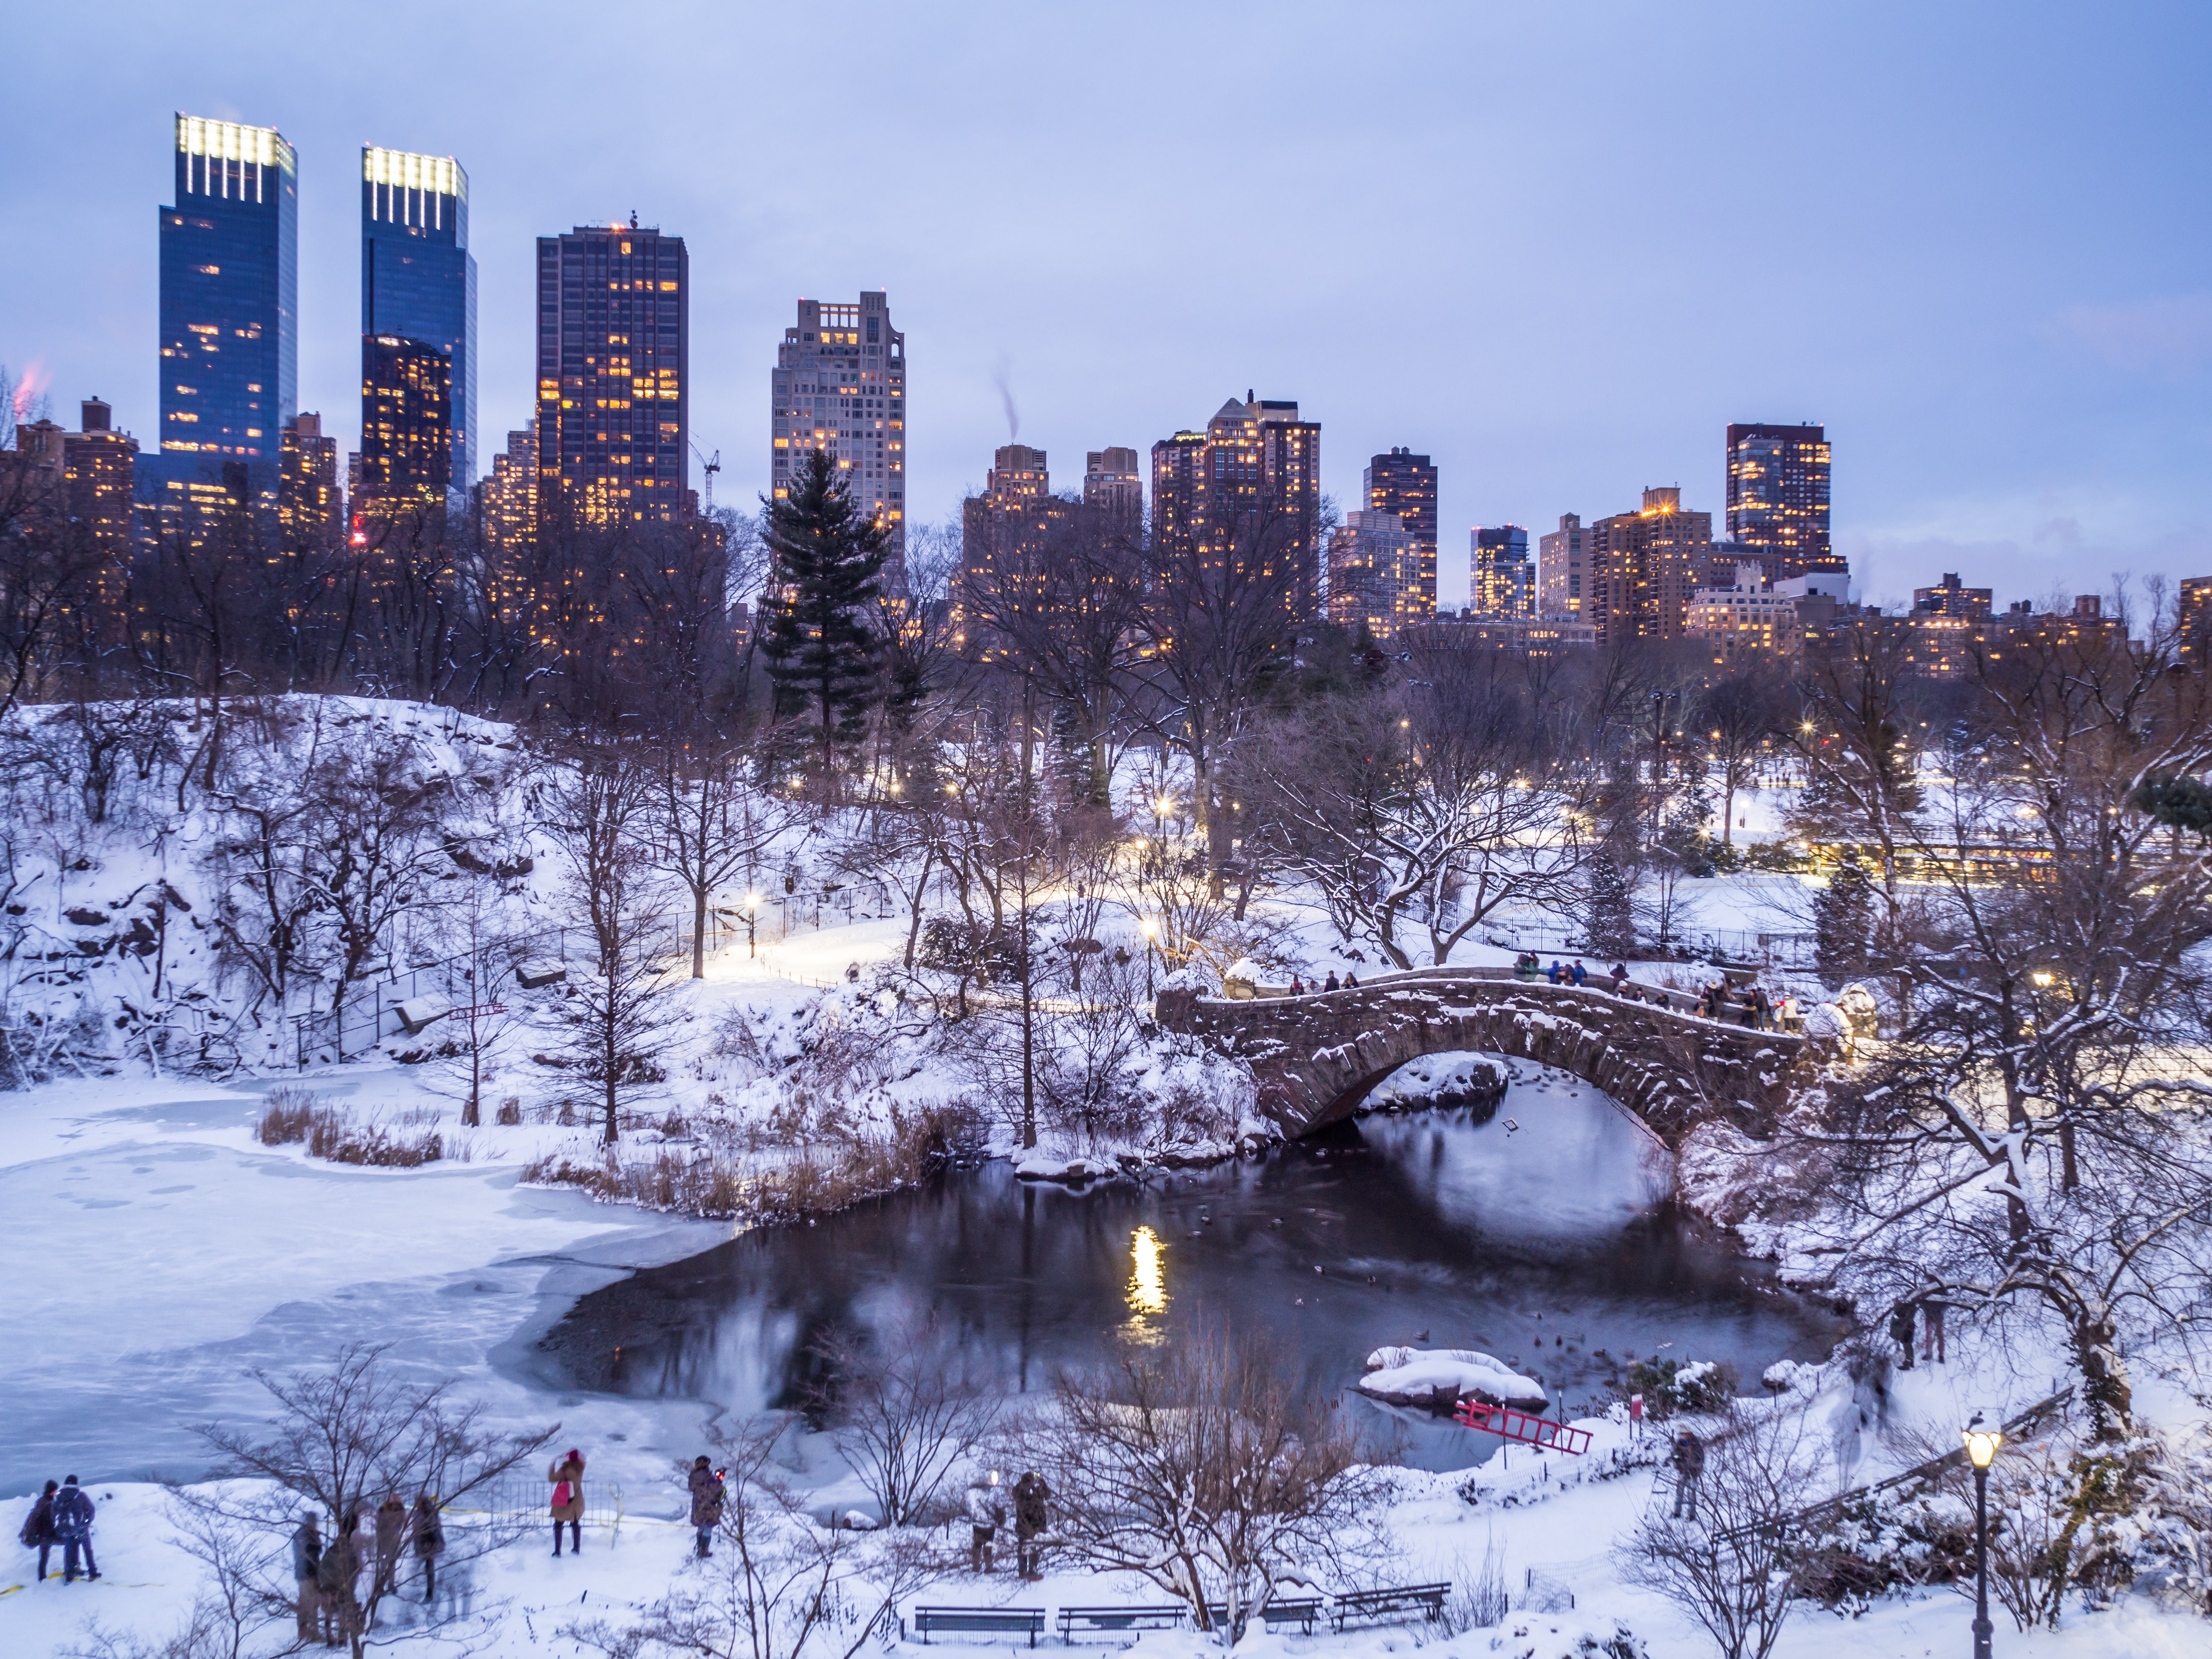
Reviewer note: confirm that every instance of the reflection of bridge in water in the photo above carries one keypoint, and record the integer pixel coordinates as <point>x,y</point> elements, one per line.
<point>1316,1056</point>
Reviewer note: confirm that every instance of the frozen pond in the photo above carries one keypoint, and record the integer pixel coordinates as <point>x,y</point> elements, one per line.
<point>1544,1243</point>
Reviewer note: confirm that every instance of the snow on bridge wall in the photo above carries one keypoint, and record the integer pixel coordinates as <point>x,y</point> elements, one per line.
<point>1315,1057</point>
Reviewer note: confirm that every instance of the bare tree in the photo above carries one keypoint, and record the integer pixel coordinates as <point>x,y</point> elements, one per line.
<point>601,808</point>
<point>344,1439</point>
<point>907,1408</point>
<point>1739,717</point>
<point>1730,1568</point>
<point>779,1586</point>
<point>1200,1467</point>
<point>708,824</point>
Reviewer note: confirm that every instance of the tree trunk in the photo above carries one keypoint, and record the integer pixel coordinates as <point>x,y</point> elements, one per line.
<point>699,932</point>
<point>2104,1387</point>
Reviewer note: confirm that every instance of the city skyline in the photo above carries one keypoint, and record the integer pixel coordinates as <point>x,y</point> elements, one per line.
<point>2068,387</point>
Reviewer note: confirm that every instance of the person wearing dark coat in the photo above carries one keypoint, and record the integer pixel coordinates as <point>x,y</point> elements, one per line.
<point>306,1557</point>
<point>73,1529</point>
<point>1329,984</point>
<point>707,1498</point>
<point>1350,981</point>
<point>567,1478</point>
<point>429,1542</point>
<point>1902,1317</point>
<point>1689,1460</point>
<point>37,1532</point>
<point>1579,974</point>
<point>1031,1494</point>
<point>334,1577</point>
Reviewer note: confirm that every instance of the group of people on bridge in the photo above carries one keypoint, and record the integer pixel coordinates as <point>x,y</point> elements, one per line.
<point>1753,1007</point>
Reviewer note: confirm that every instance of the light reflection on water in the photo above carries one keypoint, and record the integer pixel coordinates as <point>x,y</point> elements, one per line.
<point>1549,1246</point>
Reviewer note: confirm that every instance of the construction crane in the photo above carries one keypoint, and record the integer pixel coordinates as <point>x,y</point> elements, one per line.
<point>710,467</point>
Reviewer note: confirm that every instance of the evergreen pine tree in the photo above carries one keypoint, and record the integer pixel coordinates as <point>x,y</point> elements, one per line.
<point>821,653</point>
<point>1842,924</point>
<point>1611,918</point>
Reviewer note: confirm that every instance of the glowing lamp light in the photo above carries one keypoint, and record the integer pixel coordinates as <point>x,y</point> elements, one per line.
<point>1982,1437</point>
<point>2043,976</point>
<point>1150,929</point>
<point>752,901</point>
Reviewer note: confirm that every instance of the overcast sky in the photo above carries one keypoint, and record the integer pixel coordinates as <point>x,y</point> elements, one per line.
<point>1558,246</point>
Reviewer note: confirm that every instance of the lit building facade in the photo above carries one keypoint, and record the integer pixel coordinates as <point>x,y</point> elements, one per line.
<point>840,386</point>
<point>1375,574</point>
<point>1778,495</point>
<point>1253,474</point>
<point>418,311</point>
<point>1114,484</point>
<point>229,315</point>
<point>1528,636</point>
<point>1501,581</point>
<point>1645,566</point>
<point>2195,619</point>
<point>309,511</point>
<point>1404,484</point>
<point>1951,597</point>
<point>614,331</point>
<point>1003,531</point>
<point>510,493</point>
<point>1562,567</point>
<point>1755,617</point>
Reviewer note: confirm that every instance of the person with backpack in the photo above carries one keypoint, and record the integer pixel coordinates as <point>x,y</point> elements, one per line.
<point>986,1515</point>
<point>429,1542</point>
<point>306,1558</point>
<point>334,1579</point>
<point>1904,1314</point>
<point>708,1497</point>
<point>1688,1459</point>
<point>73,1530</point>
<point>1031,1495</point>
<point>567,1478</point>
<point>38,1533</point>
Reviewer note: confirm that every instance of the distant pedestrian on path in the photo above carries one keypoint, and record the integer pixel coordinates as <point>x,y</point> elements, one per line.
<point>706,1498</point>
<point>334,1577</point>
<point>1031,1495</point>
<point>1351,980</point>
<point>306,1558</point>
<point>1689,1462</point>
<point>1619,974</point>
<point>1580,973</point>
<point>1553,972</point>
<point>986,1515</point>
<point>38,1533</point>
<point>1328,984</point>
<point>1297,986</point>
<point>1901,1315</point>
<point>430,1543</point>
<point>73,1529</point>
<point>567,1478</point>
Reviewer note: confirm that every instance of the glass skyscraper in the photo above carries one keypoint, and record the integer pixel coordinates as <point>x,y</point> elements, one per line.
<point>418,326</point>
<point>613,385</point>
<point>229,308</point>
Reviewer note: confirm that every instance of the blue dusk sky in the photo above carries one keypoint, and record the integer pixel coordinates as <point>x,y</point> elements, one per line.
<point>1556,246</point>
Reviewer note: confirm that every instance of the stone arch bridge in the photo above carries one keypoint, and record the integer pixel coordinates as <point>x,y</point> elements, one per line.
<point>1316,1056</point>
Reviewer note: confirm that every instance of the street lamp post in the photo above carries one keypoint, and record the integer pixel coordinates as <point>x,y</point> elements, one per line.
<point>752,916</point>
<point>1151,928</point>
<point>1983,1436</point>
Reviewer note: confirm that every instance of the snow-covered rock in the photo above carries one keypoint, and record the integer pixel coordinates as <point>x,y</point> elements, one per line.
<point>1411,1376</point>
<point>1192,976</point>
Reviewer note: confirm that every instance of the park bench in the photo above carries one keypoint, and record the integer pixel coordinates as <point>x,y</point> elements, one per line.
<point>1301,1610</point>
<point>982,1621</point>
<point>1119,1619</point>
<point>1428,1599</point>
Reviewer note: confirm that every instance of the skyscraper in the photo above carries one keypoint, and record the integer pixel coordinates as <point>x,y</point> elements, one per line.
<point>1778,497</point>
<point>1252,478</point>
<point>307,503</point>
<point>1404,484</point>
<point>1114,483</point>
<point>1003,531</point>
<point>840,386</point>
<point>1500,580</point>
<point>229,311</point>
<point>418,326</point>
<point>1375,574</point>
<point>1562,565</point>
<point>614,331</point>
<point>1645,566</point>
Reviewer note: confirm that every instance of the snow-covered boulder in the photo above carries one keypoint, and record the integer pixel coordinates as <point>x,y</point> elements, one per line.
<point>1242,979</point>
<point>1192,976</point>
<point>1412,1376</point>
<point>1824,1023</point>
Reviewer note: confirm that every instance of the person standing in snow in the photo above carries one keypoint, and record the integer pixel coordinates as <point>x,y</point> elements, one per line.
<point>986,1515</point>
<point>567,1478</point>
<point>334,1578</point>
<point>429,1542</point>
<point>1328,984</point>
<point>306,1557</point>
<point>1689,1463</point>
<point>391,1534</point>
<point>1579,974</point>
<point>1031,1495</point>
<point>1931,1331</point>
<point>1553,972</point>
<point>1901,1316</point>
<point>38,1533</point>
<point>1620,976</point>
<point>73,1529</point>
<point>706,1498</point>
